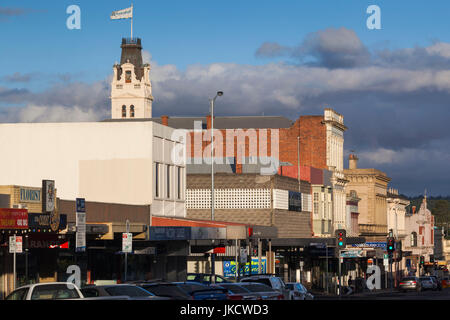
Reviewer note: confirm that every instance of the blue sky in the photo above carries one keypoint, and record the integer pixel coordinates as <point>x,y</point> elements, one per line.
<point>286,58</point>
<point>190,32</point>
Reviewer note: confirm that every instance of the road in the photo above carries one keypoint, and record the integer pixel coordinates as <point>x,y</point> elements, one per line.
<point>394,295</point>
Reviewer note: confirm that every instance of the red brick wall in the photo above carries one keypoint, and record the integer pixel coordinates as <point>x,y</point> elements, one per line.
<point>310,129</point>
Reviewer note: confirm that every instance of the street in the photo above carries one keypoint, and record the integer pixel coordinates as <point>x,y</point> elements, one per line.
<point>393,295</point>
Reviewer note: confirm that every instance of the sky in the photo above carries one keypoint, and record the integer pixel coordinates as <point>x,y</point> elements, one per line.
<point>288,58</point>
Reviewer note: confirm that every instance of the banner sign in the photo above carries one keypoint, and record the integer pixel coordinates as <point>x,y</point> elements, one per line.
<point>81,205</point>
<point>80,240</point>
<point>381,245</point>
<point>229,267</point>
<point>44,221</point>
<point>49,199</point>
<point>13,219</point>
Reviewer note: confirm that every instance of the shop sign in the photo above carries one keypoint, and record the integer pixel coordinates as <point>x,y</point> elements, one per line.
<point>48,202</point>
<point>13,219</point>
<point>229,267</point>
<point>295,201</point>
<point>381,245</point>
<point>47,241</point>
<point>30,195</point>
<point>47,221</point>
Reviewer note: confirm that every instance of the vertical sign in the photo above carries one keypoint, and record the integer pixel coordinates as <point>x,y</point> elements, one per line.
<point>127,242</point>
<point>48,197</point>
<point>80,241</point>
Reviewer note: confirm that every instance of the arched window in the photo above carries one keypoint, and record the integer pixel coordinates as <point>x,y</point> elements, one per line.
<point>124,111</point>
<point>414,239</point>
<point>132,111</point>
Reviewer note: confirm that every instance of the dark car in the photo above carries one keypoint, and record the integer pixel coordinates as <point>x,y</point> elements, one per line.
<point>262,291</point>
<point>165,289</point>
<point>200,291</point>
<point>206,278</point>
<point>276,283</point>
<point>119,290</point>
<point>238,292</point>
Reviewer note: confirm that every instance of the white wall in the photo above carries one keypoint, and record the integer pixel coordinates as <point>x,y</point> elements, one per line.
<point>101,161</point>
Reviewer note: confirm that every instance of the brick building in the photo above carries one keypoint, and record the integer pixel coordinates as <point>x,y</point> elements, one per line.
<point>277,144</point>
<point>253,199</point>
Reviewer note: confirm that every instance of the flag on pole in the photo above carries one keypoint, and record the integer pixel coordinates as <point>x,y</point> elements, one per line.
<point>122,14</point>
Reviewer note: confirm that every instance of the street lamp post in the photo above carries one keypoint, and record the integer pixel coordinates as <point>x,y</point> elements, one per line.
<point>219,94</point>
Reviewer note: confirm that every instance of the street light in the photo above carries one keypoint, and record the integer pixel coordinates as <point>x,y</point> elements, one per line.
<point>219,94</point>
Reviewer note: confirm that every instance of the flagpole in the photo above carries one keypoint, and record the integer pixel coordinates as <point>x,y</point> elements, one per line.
<point>131,21</point>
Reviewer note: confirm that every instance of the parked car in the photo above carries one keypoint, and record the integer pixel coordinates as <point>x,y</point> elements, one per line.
<point>47,291</point>
<point>119,290</point>
<point>200,291</point>
<point>410,283</point>
<point>272,281</point>
<point>262,291</point>
<point>438,282</point>
<point>206,278</point>
<point>237,291</point>
<point>299,291</point>
<point>165,289</point>
<point>428,283</point>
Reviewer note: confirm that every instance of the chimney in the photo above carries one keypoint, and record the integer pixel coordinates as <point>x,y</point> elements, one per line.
<point>352,161</point>
<point>165,120</point>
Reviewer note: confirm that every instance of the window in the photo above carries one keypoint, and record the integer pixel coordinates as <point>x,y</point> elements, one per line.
<point>132,111</point>
<point>414,239</point>
<point>128,76</point>
<point>124,111</point>
<point>168,181</point>
<point>179,183</point>
<point>157,180</point>
<point>20,294</point>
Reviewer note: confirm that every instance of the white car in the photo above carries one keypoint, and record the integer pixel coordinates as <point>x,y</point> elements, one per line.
<point>299,291</point>
<point>47,291</point>
<point>428,283</point>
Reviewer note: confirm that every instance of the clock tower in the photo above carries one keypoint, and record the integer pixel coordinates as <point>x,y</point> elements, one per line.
<point>131,90</point>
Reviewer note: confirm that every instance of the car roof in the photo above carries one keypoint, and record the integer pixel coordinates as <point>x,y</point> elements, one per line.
<point>44,284</point>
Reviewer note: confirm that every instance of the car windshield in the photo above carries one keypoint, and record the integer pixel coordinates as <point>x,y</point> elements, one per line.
<point>290,286</point>
<point>164,290</point>
<point>131,291</point>
<point>425,278</point>
<point>54,291</point>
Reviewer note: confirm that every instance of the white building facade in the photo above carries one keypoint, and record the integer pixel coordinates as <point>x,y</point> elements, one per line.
<point>112,162</point>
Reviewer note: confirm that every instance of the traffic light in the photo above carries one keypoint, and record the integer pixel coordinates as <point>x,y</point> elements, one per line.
<point>431,258</point>
<point>341,239</point>
<point>422,260</point>
<point>390,245</point>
